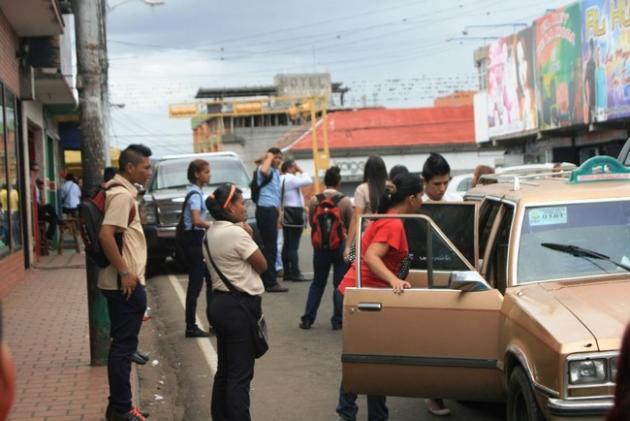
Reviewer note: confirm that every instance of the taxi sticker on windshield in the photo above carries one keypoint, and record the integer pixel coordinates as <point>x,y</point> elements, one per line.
<point>548,216</point>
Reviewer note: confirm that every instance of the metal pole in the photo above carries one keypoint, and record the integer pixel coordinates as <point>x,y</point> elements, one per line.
<point>90,40</point>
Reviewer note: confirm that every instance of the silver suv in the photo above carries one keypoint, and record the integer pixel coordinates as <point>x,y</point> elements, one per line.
<point>161,204</point>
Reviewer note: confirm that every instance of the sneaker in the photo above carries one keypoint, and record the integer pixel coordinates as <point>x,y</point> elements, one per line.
<point>133,415</point>
<point>437,407</point>
<point>277,288</point>
<point>306,324</point>
<point>139,358</point>
<point>195,332</point>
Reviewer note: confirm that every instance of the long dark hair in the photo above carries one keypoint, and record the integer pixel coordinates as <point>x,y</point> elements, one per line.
<point>375,175</point>
<point>402,186</point>
<point>216,202</point>
<point>621,410</point>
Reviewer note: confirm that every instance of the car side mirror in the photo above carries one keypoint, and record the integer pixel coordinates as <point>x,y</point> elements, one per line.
<point>468,281</point>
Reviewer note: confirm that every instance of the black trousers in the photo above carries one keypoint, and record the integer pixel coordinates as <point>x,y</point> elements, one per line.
<point>235,351</point>
<point>290,248</point>
<point>197,273</point>
<point>267,223</point>
<point>47,213</point>
<point>126,318</point>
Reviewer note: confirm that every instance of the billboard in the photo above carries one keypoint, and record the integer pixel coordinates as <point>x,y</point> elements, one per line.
<point>558,52</point>
<point>511,93</point>
<point>606,58</point>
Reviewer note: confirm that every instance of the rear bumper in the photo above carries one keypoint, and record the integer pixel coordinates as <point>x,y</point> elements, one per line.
<point>160,241</point>
<point>560,408</point>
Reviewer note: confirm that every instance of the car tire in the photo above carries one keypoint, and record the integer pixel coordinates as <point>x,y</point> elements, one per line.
<point>521,402</point>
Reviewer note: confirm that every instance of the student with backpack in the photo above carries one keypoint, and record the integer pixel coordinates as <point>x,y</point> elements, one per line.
<point>122,282</point>
<point>265,188</point>
<point>194,221</point>
<point>330,215</point>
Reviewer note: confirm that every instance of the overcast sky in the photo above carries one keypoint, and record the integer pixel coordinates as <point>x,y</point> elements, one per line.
<point>398,53</point>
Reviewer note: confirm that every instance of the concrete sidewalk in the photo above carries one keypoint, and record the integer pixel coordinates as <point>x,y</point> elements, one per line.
<point>46,328</point>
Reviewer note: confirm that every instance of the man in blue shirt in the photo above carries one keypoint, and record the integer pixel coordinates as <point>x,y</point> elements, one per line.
<point>267,215</point>
<point>70,195</point>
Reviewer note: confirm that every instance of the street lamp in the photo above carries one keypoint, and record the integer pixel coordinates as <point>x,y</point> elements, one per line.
<point>151,3</point>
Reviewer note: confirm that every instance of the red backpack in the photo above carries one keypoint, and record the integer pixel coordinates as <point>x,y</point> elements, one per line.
<point>91,214</point>
<point>328,230</point>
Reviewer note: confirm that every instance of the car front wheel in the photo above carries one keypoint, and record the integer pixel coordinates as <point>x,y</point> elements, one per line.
<point>521,402</point>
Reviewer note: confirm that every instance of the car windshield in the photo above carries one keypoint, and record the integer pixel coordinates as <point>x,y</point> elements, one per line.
<point>603,227</point>
<point>173,173</point>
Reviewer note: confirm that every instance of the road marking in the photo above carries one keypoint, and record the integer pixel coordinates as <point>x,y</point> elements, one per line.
<point>204,343</point>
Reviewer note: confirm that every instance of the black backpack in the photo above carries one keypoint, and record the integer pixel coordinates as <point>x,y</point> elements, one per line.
<point>180,238</point>
<point>91,214</point>
<point>255,188</point>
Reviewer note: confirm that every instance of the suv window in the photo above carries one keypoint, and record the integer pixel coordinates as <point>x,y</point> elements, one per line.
<point>173,173</point>
<point>603,227</point>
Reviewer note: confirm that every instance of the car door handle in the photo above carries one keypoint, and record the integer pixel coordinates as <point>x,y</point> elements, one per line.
<point>370,306</point>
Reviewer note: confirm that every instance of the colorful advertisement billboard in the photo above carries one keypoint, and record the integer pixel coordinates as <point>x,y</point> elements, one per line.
<point>511,93</point>
<point>606,58</point>
<point>558,51</point>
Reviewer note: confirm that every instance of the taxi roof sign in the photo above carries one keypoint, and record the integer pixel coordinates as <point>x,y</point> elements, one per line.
<point>600,168</point>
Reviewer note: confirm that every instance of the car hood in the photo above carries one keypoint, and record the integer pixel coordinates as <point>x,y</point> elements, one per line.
<point>178,195</point>
<point>602,307</point>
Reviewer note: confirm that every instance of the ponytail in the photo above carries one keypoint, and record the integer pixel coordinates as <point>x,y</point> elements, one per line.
<point>396,191</point>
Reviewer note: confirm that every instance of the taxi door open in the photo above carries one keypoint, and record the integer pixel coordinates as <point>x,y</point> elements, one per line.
<point>437,339</point>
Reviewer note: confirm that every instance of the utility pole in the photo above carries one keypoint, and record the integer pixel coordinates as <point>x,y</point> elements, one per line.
<point>91,59</point>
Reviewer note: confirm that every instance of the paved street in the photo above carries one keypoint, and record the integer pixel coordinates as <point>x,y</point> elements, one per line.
<point>298,379</point>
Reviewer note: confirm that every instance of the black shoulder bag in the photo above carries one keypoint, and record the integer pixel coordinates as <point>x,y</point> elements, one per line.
<point>292,216</point>
<point>258,324</point>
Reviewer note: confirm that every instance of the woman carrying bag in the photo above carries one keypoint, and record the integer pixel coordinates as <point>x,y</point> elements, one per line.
<point>235,263</point>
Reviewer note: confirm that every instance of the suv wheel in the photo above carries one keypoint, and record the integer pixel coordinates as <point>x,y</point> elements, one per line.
<point>521,402</point>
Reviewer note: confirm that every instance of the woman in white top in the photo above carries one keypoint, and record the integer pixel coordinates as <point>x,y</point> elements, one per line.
<point>292,217</point>
<point>367,195</point>
<point>230,244</point>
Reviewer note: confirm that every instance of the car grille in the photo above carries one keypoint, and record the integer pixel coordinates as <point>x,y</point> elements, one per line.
<point>169,212</point>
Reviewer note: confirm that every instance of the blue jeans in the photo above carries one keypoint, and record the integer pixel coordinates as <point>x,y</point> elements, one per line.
<point>126,318</point>
<point>267,222</point>
<point>322,261</point>
<point>347,407</point>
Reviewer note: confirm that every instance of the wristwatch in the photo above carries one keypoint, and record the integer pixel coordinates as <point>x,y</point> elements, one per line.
<point>123,274</point>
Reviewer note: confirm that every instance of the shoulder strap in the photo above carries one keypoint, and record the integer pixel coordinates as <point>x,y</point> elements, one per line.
<point>320,198</point>
<point>267,178</point>
<point>225,280</point>
<point>337,198</point>
<point>132,211</point>
<point>188,196</point>
<point>282,193</point>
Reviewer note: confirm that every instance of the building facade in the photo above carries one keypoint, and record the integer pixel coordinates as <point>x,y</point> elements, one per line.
<point>35,74</point>
<point>559,90</point>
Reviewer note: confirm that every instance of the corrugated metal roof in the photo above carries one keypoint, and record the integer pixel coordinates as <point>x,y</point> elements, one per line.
<point>373,128</point>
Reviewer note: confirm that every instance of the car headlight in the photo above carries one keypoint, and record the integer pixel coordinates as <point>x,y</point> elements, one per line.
<point>250,206</point>
<point>148,213</point>
<point>588,371</point>
<point>614,362</point>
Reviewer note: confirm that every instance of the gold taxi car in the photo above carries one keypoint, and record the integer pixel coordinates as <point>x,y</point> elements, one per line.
<point>520,294</point>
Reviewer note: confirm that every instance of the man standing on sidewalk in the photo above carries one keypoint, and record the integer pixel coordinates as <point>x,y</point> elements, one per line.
<point>122,282</point>
<point>268,178</point>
